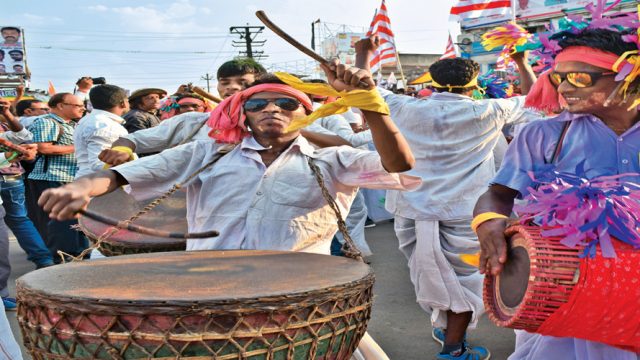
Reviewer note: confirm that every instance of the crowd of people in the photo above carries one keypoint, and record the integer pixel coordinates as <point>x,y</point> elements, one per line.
<point>450,175</point>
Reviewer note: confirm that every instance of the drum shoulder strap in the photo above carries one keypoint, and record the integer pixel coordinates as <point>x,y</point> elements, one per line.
<point>349,247</point>
<point>558,148</point>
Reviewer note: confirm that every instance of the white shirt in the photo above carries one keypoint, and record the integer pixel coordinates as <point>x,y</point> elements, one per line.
<point>170,133</point>
<point>94,133</point>
<point>452,138</point>
<point>338,125</point>
<point>279,207</point>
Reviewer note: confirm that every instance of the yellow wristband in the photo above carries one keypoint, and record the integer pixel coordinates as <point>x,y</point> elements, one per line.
<point>124,149</point>
<point>485,216</point>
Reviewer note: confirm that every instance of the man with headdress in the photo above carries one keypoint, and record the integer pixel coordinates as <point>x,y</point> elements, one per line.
<point>233,76</point>
<point>598,134</point>
<point>264,193</point>
<point>454,138</point>
<point>144,108</point>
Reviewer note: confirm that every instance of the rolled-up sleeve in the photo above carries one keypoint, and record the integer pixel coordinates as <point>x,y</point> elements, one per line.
<point>152,176</point>
<point>18,137</point>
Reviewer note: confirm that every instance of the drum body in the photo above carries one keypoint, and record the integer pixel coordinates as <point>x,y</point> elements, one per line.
<point>170,215</point>
<point>547,288</point>
<point>197,305</point>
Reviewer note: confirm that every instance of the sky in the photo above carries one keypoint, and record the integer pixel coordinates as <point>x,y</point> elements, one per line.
<point>136,44</point>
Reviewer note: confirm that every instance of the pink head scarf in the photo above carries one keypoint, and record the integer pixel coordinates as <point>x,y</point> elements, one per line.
<point>544,95</point>
<point>227,119</point>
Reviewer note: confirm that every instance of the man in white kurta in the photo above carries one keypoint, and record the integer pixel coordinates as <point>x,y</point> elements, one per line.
<point>253,206</point>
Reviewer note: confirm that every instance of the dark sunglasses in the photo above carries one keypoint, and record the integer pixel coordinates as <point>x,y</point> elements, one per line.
<point>579,79</point>
<point>288,104</point>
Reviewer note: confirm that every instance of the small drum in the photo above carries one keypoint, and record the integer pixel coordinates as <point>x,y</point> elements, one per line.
<point>545,287</point>
<point>197,305</point>
<point>170,215</point>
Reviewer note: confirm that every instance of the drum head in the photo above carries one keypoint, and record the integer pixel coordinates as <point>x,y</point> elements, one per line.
<point>170,215</point>
<point>514,278</point>
<point>203,277</point>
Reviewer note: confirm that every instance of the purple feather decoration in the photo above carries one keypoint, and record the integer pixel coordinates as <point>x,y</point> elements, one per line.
<point>585,212</point>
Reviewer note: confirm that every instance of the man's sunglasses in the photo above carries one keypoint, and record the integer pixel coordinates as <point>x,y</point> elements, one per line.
<point>288,104</point>
<point>579,79</point>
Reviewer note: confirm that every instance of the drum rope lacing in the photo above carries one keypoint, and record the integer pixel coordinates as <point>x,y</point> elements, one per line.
<point>349,247</point>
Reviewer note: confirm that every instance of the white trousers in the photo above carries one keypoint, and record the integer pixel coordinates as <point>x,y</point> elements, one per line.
<point>442,281</point>
<point>9,348</point>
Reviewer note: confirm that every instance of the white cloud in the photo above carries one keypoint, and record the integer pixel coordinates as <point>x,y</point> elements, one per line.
<point>98,8</point>
<point>33,19</point>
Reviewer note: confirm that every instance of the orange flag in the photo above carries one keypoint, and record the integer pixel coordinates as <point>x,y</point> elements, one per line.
<point>52,90</point>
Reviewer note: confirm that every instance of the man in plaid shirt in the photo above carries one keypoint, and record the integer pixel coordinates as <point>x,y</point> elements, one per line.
<point>55,166</point>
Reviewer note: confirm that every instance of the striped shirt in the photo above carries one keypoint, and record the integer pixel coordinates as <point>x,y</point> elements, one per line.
<point>53,129</point>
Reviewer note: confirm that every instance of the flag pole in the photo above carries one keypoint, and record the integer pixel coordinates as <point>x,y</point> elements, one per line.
<point>399,65</point>
<point>513,11</point>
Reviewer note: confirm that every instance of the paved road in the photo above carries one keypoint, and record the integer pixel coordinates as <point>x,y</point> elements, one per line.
<point>398,323</point>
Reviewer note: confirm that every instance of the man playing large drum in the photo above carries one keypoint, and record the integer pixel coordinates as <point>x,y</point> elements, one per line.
<point>599,128</point>
<point>263,194</point>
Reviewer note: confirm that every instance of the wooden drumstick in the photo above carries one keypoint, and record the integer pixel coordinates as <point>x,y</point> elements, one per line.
<point>206,95</point>
<point>288,38</point>
<point>145,230</point>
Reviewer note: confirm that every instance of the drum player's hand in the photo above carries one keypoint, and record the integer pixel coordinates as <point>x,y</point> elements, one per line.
<point>113,157</point>
<point>343,77</point>
<point>63,203</point>
<point>493,246</point>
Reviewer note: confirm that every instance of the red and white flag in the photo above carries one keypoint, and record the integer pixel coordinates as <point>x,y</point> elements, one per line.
<point>473,9</point>
<point>386,52</point>
<point>450,51</point>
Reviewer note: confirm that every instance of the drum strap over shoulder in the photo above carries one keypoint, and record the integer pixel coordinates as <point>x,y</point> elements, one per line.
<point>349,247</point>
<point>558,148</point>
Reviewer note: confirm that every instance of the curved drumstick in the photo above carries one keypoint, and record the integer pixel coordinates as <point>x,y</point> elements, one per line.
<point>288,38</point>
<point>145,230</point>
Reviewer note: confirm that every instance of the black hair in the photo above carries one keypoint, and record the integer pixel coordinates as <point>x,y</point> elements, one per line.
<point>105,97</point>
<point>239,67</point>
<point>601,39</point>
<point>454,72</point>
<point>1,51</point>
<point>57,98</point>
<point>266,78</point>
<point>23,105</point>
<point>15,51</point>
<point>10,28</point>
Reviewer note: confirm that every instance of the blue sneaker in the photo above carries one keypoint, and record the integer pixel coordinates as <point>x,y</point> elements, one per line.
<point>470,353</point>
<point>10,304</point>
<point>438,335</point>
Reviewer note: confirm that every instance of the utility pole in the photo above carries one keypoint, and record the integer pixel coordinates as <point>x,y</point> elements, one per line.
<point>207,77</point>
<point>247,36</point>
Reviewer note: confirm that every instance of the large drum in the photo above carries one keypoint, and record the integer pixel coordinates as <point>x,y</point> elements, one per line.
<point>546,287</point>
<point>197,305</point>
<point>170,215</point>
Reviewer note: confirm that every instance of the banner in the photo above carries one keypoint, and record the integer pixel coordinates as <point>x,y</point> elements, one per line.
<point>531,9</point>
<point>12,54</point>
<point>342,47</point>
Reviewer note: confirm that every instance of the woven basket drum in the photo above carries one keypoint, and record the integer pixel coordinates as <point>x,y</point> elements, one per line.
<point>197,305</point>
<point>538,277</point>
<point>170,215</point>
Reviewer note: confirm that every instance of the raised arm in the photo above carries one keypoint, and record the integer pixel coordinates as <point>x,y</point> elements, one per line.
<point>393,148</point>
<point>527,76</point>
